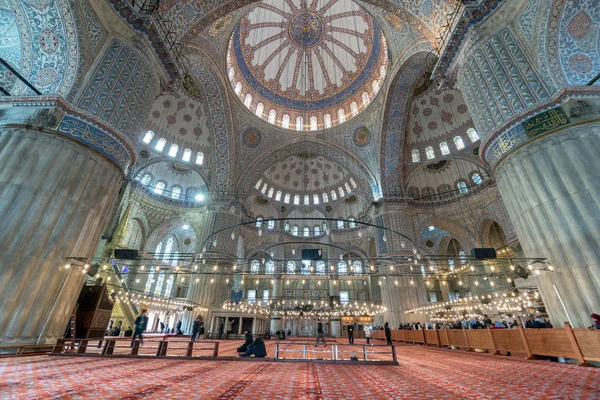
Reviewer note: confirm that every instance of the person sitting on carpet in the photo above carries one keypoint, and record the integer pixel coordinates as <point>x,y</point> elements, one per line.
<point>248,342</point>
<point>257,348</point>
<point>596,319</point>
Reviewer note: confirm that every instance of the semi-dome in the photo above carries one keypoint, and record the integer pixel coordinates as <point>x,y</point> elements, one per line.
<point>307,65</point>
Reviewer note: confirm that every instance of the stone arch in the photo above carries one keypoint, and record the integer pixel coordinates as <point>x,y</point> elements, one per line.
<point>395,118</point>
<point>491,234</point>
<point>214,92</point>
<point>246,181</point>
<point>47,55</point>
<point>164,229</point>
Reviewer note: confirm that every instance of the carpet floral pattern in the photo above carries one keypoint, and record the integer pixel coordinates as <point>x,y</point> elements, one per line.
<point>423,373</point>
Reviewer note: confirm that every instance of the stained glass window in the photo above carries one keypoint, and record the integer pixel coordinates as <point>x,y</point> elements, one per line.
<point>159,284</point>
<point>169,287</point>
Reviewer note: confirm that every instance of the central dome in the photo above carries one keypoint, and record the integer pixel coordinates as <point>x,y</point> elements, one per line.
<point>307,65</point>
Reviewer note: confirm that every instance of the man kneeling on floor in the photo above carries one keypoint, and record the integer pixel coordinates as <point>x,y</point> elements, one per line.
<point>257,348</point>
<point>248,342</point>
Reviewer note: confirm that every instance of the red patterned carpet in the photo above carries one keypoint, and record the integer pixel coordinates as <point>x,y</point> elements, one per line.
<point>423,373</point>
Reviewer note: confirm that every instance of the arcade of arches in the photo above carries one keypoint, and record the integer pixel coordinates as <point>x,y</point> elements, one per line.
<point>292,160</point>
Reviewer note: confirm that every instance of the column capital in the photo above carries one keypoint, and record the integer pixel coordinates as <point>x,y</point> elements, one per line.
<point>54,115</point>
<point>569,108</point>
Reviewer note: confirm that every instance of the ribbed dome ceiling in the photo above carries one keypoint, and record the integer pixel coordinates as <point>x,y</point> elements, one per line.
<point>307,64</point>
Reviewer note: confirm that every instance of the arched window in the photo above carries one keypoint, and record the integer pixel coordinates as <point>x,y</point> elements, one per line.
<point>341,190</point>
<point>158,189</point>
<point>278,195</point>
<point>173,150</point>
<point>333,195</point>
<point>477,178</point>
<point>305,267</point>
<point>315,199</point>
<point>270,267</point>
<point>354,185</point>
<point>257,186</point>
<point>295,230</point>
<point>313,123</point>
<point>347,186</point>
<point>160,145</point>
<point>149,282</point>
<point>270,224</point>
<point>340,224</point>
<point>264,188</point>
<point>272,116</point>
<point>458,142</point>
<point>176,192</point>
<point>341,115</point>
<point>148,137</point>
<point>248,100</point>
<point>291,267</point>
<point>342,268</point>
<point>354,108</point>
<point>260,108</point>
<point>296,199</point>
<point>463,257</point>
<point>159,284</point>
<point>169,287</point>
<point>146,179</point>
<point>238,88</point>
<point>352,222</point>
<point>327,121</point>
<point>444,149</point>
<point>324,227</point>
<point>254,267</point>
<point>321,270</point>
<point>429,153</point>
<point>286,199</point>
<point>416,157</point>
<point>231,73</point>
<point>317,230</point>
<point>413,192</point>
<point>325,198</point>
<point>285,121</point>
<point>187,155</point>
<point>462,187</point>
<point>365,98</point>
<point>357,268</point>
<point>299,124</point>
<point>259,221</point>
<point>473,135</point>
<point>159,247</point>
<point>306,231</point>
<point>270,194</point>
<point>306,199</point>
<point>286,227</point>
<point>168,248</point>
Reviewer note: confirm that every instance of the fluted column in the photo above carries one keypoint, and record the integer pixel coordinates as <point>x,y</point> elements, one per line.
<point>552,193</point>
<point>55,198</point>
<point>399,295</point>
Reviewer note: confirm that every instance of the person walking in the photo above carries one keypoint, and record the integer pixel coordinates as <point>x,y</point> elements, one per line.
<point>367,333</point>
<point>320,333</point>
<point>195,329</point>
<point>221,328</point>
<point>388,333</point>
<point>140,325</point>
<point>201,331</point>
<point>178,328</point>
<point>350,330</point>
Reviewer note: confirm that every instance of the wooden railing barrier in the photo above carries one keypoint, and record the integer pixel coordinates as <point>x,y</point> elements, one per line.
<point>580,344</point>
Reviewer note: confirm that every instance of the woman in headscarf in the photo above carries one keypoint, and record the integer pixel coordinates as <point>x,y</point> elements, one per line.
<point>596,319</point>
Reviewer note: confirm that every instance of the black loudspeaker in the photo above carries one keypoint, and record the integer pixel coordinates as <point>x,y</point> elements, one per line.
<point>521,272</point>
<point>312,254</point>
<point>483,253</point>
<point>126,254</point>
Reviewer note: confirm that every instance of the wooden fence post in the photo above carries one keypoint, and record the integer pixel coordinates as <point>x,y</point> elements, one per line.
<point>525,343</point>
<point>216,350</point>
<point>466,339</point>
<point>495,351</point>
<point>575,345</point>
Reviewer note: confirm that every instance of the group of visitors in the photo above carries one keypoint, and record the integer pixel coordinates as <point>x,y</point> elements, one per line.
<point>253,346</point>
<point>197,329</point>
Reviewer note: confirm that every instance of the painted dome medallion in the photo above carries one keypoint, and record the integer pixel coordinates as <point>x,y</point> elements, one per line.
<point>306,64</point>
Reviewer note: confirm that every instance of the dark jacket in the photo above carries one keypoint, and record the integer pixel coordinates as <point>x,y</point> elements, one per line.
<point>141,322</point>
<point>350,329</point>
<point>320,327</point>
<point>387,330</point>
<point>196,326</point>
<point>248,341</point>
<point>259,348</point>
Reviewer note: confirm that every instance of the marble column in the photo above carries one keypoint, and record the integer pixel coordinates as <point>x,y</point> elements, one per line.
<point>551,190</point>
<point>401,297</point>
<point>276,321</point>
<point>55,198</point>
<point>335,323</point>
